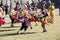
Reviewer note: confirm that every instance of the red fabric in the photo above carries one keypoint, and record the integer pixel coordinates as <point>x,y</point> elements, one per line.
<point>33,20</point>
<point>16,15</point>
<point>51,22</point>
<point>16,9</point>
<point>20,20</point>
<point>2,21</point>
<point>42,21</point>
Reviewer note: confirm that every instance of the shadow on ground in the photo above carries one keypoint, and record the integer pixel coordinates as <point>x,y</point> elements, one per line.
<point>7,30</point>
<point>11,27</point>
<point>13,34</point>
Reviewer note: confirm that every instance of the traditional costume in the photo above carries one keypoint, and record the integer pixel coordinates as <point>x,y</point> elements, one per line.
<point>42,17</point>
<point>29,9</point>
<point>25,24</point>
<point>13,16</point>
<point>25,21</point>
<point>52,11</point>
<point>1,17</point>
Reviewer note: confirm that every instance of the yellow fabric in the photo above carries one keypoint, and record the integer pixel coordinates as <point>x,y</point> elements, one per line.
<point>53,7</point>
<point>47,17</point>
<point>52,11</point>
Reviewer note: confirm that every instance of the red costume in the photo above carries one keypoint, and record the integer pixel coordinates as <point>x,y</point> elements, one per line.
<point>2,21</point>
<point>1,17</point>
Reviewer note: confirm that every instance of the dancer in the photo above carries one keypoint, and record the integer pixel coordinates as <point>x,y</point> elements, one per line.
<point>12,17</point>
<point>44,12</point>
<point>43,17</point>
<point>26,13</point>
<point>25,24</point>
<point>52,7</point>
<point>1,17</point>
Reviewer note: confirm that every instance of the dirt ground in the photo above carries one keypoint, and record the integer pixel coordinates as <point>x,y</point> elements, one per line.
<point>53,31</point>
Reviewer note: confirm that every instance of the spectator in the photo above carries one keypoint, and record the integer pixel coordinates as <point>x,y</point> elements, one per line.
<point>28,5</point>
<point>48,4</point>
<point>43,7</point>
<point>33,5</point>
<point>6,9</point>
<point>1,4</point>
<point>39,4</point>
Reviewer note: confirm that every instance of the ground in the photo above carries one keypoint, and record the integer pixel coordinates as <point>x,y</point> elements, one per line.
<point>53,31</point>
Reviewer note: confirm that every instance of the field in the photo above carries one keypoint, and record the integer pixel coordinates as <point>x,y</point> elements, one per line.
<point>53,31</point>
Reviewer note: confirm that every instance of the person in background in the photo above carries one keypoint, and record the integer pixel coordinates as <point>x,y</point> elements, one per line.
<point>48,4</point>
<point>39,4</point>
<point>6,9</point>
<point>45,14</point>
<point>28,5</point>
<point>1,3</point>
<point>43,7</point>
<point>33,5</point>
